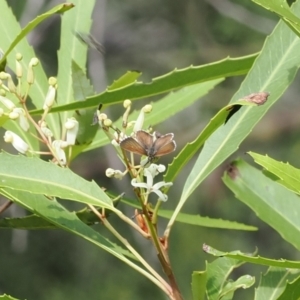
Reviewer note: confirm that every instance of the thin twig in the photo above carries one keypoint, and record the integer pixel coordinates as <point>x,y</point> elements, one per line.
<point>5,206</point>
<point>155,277</point>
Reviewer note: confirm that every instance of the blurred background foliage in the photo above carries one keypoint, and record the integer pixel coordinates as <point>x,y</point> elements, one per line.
<point>154,37</point>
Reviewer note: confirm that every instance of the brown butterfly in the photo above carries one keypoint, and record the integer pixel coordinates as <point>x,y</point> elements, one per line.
<point>149,145</point>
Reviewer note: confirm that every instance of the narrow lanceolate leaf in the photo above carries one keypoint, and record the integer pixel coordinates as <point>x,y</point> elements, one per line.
<point>273,283</point>
<point>162,109</point>
<point>82,88</point>
<point>199,280</point>
<point>56,214</point>
<point>39,177</point>
<point>271,202</point>
<point>31,25</point>
<point>244,257</point>
<point>10,28</point>
<point>217,274</point>
<point>191,148</point>
<point>288,175</point>
<point>273,71</point>
<point>292,291</point>
<point>128,78</point>
<point>7,297</point>
<point>72,49</point>
<point>206,221</point>
<point>195,220</point>
<point>165,83</point>
<point>281,8</point>
<point>244,282</point>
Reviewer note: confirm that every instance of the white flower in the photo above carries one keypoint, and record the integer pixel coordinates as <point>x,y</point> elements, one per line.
<point>19,113</point>
<point>58,146</point>
<point>47,132</point>
<point>72,127</point>
<point>150,173</point>
<point>16,141</point>
<point>8,103</point>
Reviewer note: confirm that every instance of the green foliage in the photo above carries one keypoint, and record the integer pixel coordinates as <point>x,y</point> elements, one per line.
<point>41,186</point>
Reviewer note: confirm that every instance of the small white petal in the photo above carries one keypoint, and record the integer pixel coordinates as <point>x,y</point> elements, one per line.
<point>57,146</point>
<point>139,122</point>
<point>8,103</point>
<point>110,172</point>
<point>161,184</point>
<point>16,141</point>
<point>50,97</point>
<point>72,127</point>
<point>163,197</point>
<point>161,168</point>
<point>139,184</point>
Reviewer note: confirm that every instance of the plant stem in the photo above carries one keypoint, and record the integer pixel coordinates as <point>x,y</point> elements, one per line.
<point>155,277</point>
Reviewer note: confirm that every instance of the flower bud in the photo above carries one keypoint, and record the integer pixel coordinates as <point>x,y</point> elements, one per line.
<point>50,98</point>
<point>10,84</point>
<point>19,68</point>
<point>107,122</point>
<point>8,103</point>
<point>30,74</point>
<point>127,103</point>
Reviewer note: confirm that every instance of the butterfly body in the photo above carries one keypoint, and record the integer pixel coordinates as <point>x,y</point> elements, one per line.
<point>153,146</point>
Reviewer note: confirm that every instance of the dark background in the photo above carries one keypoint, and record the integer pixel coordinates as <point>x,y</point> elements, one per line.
<point>154,37</point>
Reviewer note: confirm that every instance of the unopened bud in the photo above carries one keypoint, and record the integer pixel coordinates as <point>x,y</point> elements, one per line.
<point>30,74</point>
<point>50,98</point>
<point>19,68</point>
<point>127,103</point>
<point>7,103</point>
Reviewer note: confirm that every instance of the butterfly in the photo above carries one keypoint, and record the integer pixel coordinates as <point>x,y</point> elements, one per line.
<point>149,145</point>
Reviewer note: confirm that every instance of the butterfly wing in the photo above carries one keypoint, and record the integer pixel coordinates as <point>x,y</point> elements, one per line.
<point>132,145</point>
<point>164,144</point>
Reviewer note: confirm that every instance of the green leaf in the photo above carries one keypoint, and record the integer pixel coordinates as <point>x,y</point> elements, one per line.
<point>71,49</point>
<point>128,78</point>
<point>56,214</point>
<point>217,273</point>
<point>10,28</point>
<point>206,221</point>
<point>7,297</point>
<point>199,280</point>
<point>239,256</point>
<point>279,70</point>
<point>33,222</point>
<point>39,177</point>
<point>31,25</point>
<point>273,283</point>
<point>194,219</point>
<point>273,203</point>
<point>287,175</point>
<point>292,291</point>
<point>163,109</point>
<point>244,282</point>
<point>82,88</point>
<point>281,8</point>
<point>174,80</point>
<point>191,148</point>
